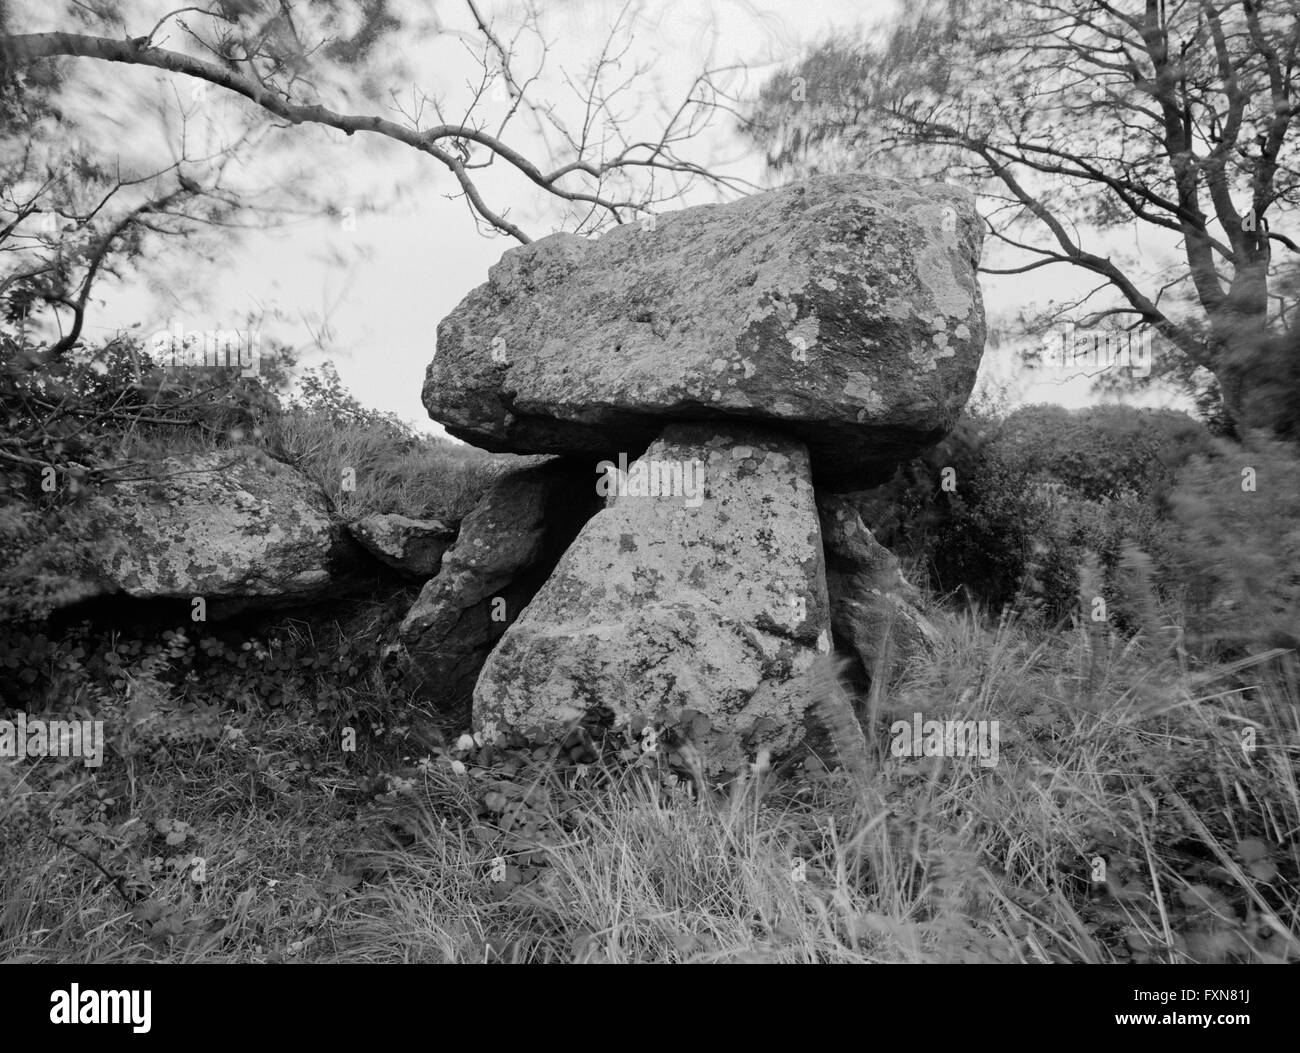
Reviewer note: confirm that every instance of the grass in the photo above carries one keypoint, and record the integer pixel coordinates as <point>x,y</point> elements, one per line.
<point>1145,805</point>
<point>413,476</point>
<point>388,470</point>
<point>1124,822</point>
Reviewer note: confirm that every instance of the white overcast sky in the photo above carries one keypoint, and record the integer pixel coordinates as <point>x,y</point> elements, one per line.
<point>381,289</point>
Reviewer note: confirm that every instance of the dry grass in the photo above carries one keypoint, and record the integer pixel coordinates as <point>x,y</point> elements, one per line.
<point>1112,751</point>
<point>388,470</point>
<point>417,477</point>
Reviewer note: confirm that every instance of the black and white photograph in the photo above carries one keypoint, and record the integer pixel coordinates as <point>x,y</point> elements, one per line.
<point>650,482</point>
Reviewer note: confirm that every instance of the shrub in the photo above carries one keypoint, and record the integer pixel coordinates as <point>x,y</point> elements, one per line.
<point>1237,550</point>
<point>1103,451</point>
<point>1075,530</point>
<point>1037,492</point>
<point>83,412</point>
<point>979,536</point>
<point>47,551</point>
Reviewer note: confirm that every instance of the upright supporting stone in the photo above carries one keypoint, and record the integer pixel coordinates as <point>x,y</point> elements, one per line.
<point>874,609</point>
<point>695,600</point>
<point>505,548</point>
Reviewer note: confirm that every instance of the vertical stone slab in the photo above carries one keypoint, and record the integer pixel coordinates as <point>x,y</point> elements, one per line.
<point>502,554</point>
<point>694,600</point>
<point>874,609</point>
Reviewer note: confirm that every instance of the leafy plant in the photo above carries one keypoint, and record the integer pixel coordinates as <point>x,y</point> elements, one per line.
<point>1236,546</point>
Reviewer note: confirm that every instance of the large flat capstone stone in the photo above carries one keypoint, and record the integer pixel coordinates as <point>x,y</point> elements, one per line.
<point>843,310</point>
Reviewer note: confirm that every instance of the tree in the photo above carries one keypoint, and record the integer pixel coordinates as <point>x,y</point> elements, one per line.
<point>67,223</point>
<point>70,215</point>
<point>1077,118</point>
<point>67,219</point>
<point>287,59</point>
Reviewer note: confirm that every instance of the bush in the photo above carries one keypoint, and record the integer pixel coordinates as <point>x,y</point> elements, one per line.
<point>1103,451</point>
<point>84,412</point>
<point>978,537</point>
<point>1035,493</point>
<point>47,551</point>
<point>1236,550</point>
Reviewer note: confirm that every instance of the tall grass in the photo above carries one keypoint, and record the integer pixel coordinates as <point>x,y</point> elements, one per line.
<point>363,463</point>
<point>1124,822</point>
<point>1127,819</point>
<point>364,468</point>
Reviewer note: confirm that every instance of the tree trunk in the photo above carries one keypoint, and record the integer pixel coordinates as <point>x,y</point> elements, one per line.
<point>1259,380</point>
<point>1257,370</point>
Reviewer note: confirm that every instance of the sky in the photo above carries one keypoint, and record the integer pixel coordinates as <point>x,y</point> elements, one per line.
<point>367,288</point>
